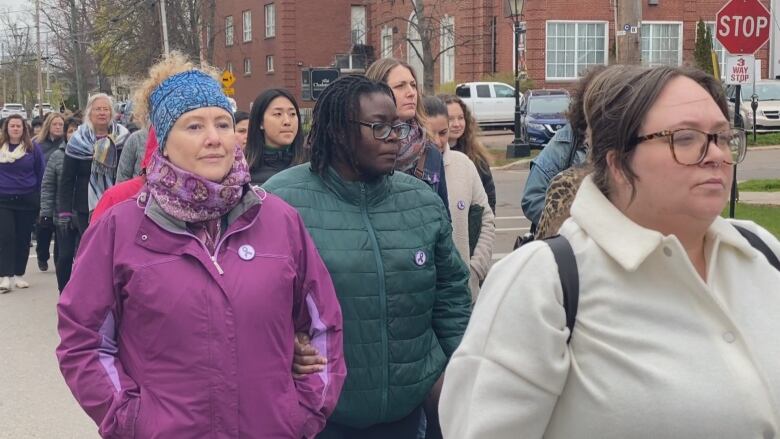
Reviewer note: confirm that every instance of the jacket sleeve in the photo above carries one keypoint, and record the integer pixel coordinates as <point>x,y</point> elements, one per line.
<point>441,189</point>
<point>483,252</point>
<point>512,365</point>
<point>67,184</point>
<point>127,159</point>
<point>549,162</point>
<point>452,305</point>
<point>486,177</point>
<point>40,166</point>
<point>88,313</point>
<point>318,313</point>
<point>49,185</point>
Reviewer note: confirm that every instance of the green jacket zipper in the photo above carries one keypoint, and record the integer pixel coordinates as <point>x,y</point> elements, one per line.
<point>380,271</point>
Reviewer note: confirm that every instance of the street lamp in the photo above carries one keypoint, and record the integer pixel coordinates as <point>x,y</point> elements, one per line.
<point>518,147</point>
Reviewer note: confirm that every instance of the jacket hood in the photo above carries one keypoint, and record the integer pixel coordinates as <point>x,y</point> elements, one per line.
<point>151,147</point>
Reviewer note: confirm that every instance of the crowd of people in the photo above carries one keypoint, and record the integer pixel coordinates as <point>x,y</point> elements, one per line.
<point>243,274</point>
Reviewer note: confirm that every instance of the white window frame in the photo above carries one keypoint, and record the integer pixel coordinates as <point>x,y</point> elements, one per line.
<point>269,63</point>
<point>358,25</point>
<point>247,66</point>
<point>576,22</point>
<point>270,20</point>
<point>719,49</point>
<point>680,35</point>
<point>387,49</point>
<point>447,58</point>
<point>229,66</point>
<point>229,30</point>
<point>246,18</point>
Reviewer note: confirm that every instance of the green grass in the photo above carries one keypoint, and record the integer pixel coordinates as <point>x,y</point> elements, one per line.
<point>763,139</point>
<point>760,186</point>
<point>498,156</point>
<point>766,216</point>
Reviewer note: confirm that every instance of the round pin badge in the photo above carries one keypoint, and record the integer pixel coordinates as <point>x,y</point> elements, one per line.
<point>461,205</point>
<point>246,252</point>
<point>420,257</point>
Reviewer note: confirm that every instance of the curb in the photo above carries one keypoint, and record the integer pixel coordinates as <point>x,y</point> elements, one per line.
<point>763,148</point>
<point>521,164</point>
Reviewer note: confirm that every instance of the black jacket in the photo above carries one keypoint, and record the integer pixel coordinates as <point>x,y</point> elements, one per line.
<point>74,185</point>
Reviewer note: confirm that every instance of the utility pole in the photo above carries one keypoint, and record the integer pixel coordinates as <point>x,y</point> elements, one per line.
<point>76,54</point>
<point>38,52</point>
<point>629,20</point>
<point>164,19</point>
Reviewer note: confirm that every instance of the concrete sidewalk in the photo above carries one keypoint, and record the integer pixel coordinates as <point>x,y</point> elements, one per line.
<point>768,198</point>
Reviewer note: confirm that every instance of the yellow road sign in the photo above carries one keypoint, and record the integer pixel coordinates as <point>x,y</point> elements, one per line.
<point>229,91</point>
<point>228,79</point>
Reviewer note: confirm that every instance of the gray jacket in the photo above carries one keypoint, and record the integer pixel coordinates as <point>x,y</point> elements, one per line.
<point>51,182</point>
<point>132,156</point>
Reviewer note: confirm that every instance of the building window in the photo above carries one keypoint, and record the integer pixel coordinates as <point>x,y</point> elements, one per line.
<point>247,18</point>
<point>573,46</point>
<point>358,25</point>
<point>387,42</point>
<point>229,30</point>
<point>448,49</point>
<point>661,44</point>
<point>270,20</point>
<point>720,51</point>
<point>229,67</point>
<point>247,66</point>
<point>269,63</point>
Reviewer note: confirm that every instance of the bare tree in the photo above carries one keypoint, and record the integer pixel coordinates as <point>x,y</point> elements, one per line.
<point>19,57</point>
<point>430,37</point>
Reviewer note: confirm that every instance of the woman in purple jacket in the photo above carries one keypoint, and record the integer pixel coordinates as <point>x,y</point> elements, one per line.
<point>180,314</point>
<point>21,173</point>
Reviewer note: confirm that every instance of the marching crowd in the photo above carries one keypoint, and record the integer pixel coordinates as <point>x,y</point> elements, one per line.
<point>241,275</point>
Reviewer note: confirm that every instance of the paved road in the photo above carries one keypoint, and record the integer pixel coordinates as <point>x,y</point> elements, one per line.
<point>34,402</point>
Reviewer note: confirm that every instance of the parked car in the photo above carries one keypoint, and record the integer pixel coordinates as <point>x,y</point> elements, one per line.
<point>768,110</point>
<point>9,109</point>
<point>46,109</point>
<point>542,113</point>
<point>491,103</point>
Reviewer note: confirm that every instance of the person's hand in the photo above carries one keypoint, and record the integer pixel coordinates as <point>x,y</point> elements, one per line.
<point>307,359</point>
<point>46,222</point>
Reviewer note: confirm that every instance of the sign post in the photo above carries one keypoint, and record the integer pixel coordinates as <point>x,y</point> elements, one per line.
<point>742,27</point>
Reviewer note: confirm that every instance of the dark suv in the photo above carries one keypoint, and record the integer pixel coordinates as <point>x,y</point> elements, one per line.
<point>542,113</point>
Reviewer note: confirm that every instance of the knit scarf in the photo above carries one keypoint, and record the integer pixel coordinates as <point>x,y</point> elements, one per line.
<point>411,148</point>
<point>8,156</point>
<point>104,153</point>
<point>191,198</point>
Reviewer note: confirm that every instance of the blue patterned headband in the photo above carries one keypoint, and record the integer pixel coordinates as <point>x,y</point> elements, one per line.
<point>181,93</point>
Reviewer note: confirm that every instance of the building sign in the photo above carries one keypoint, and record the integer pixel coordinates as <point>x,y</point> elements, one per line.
<point>315,80</point>
<point>740,69</point>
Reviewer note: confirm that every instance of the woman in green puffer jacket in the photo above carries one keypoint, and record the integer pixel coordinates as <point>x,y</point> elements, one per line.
<point>386,240</point>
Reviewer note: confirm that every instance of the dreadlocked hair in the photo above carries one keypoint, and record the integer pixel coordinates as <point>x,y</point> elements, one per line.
<point>334,135</point>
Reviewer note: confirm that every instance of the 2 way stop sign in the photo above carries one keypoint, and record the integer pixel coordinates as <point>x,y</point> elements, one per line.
<point>742,26</point>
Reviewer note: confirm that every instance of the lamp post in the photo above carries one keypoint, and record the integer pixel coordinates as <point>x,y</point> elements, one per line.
<point>518,147</point>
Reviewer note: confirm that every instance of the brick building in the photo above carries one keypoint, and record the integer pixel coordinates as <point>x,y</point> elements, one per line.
<point>267,44</point>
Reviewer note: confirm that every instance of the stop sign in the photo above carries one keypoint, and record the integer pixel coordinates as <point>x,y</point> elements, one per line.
<point>742,26</point>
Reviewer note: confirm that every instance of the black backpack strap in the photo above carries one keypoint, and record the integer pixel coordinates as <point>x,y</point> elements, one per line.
<point>759,245</point>
<point>569,276</point>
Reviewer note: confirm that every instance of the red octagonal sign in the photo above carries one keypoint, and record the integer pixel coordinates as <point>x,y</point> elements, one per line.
<point>742,26</point>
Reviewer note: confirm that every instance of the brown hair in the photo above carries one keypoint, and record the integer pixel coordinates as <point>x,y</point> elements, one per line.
<point>468,143</point>
<point>576,112</point>
<point>26,140</point>
<point>43,135</point>
<point>380,69</point>
<point>615,106</point>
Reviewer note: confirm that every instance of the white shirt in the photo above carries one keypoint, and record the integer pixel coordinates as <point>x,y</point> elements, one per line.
<point>656,352</point>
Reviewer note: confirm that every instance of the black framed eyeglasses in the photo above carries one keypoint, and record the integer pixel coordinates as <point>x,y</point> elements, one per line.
<point>689,146</point>
<point>382,130</point>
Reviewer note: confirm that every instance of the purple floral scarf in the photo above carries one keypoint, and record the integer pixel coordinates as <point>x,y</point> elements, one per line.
<point>191,198</point>
<point>411,148</point>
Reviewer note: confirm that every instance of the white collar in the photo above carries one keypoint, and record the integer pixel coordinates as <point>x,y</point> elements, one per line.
<point>627,242</point>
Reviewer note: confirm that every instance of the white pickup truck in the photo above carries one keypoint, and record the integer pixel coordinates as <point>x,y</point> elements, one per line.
<point>491,103</point>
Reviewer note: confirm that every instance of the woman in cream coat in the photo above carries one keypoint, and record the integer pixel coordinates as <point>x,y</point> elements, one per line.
<point>678,314</point>
<point>466,190</point>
